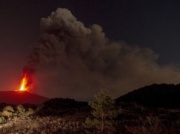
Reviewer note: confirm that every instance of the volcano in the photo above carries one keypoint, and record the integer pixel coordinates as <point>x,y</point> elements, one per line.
<point>21,97</point>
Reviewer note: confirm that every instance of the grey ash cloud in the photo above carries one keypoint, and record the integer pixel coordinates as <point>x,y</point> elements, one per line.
<point>73,60</point>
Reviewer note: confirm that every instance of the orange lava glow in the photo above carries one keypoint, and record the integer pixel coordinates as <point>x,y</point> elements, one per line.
<point>24,85</point>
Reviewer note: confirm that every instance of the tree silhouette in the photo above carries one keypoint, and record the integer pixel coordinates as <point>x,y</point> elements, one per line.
<point>104,112</point>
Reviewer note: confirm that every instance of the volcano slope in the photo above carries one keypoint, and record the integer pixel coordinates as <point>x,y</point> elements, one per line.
<point>21,97</point>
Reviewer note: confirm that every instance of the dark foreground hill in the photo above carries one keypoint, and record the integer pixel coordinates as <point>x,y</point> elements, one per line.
<point>17,97</point>
<point>63,106</point>
<point>156,95</point>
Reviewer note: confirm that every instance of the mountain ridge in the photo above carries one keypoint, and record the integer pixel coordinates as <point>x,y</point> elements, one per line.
<point>155,95</point>
<point>21,97</point>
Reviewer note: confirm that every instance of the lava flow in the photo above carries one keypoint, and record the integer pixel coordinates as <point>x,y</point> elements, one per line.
<point>26,82</point>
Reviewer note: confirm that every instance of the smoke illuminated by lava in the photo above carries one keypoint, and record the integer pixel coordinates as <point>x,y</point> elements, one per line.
<point>72,60</point>
<point>26,82</point>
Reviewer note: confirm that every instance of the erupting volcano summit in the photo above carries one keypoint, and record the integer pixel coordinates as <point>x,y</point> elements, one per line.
<point>26,83</point>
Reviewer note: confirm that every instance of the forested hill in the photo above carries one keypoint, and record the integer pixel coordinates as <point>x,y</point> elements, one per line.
<point>156,95</point>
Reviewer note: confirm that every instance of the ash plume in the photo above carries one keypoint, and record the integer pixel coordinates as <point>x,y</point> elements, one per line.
<point>76,61</point>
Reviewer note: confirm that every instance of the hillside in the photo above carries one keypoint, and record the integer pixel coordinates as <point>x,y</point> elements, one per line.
<point>16,97</point>
<point>156,95</point>
<point>63,106</point>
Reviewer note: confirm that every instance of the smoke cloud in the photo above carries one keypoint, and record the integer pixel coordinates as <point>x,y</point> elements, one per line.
<point>76,61</point>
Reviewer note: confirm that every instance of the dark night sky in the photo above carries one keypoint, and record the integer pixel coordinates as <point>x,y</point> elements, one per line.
<point>145,23</point>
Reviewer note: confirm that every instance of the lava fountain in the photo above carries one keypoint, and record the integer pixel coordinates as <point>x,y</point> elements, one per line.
<point>26,82</point>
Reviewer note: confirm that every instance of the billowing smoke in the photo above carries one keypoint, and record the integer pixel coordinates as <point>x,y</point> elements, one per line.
<point>76,61</point>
